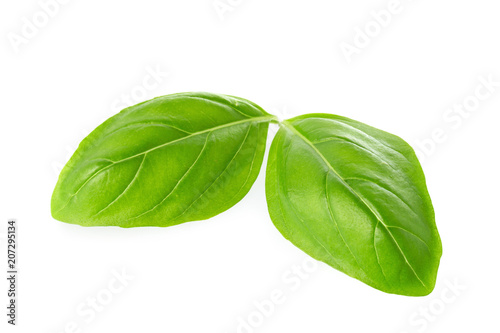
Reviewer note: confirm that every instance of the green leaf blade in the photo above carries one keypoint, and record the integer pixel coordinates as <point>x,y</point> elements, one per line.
<point>173,159</point>
<point>354,197</point>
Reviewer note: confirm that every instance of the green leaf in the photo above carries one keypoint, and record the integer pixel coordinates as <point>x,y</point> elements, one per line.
<point>355,198</point>
<point>170,160</point>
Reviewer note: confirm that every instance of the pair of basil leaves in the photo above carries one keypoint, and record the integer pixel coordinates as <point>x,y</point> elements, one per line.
<point>345,193</point>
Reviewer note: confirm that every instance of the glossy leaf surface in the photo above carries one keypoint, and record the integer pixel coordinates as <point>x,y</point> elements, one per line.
<point>355,198</point>
<point>170,160</point>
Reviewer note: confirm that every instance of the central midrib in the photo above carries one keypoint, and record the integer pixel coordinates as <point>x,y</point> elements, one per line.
<point>234,123</point>
<point>290,127</point>
<point>256,120</point>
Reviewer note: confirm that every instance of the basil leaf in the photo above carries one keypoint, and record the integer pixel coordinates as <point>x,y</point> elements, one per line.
<point>355,198</point>
<point>170,160</point>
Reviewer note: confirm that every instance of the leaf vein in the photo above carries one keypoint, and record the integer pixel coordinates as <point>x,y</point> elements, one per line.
<point>336,224</point>
<point>227,166</point>
<point>126,188</point>
<point>176,185</point>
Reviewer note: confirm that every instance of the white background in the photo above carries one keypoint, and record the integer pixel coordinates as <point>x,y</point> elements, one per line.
<point>71,74</point>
